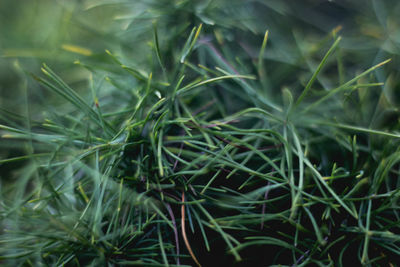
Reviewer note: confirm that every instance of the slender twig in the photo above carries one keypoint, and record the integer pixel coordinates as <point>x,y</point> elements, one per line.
<point>185,239</point>
<point>264,205</point>
<point>171,214</point>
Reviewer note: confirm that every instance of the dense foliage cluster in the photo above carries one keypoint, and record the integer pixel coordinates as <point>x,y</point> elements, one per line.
<point>212,133</point>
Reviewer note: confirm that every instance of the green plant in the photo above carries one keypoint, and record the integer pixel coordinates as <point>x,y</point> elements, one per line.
<point>190,149</point>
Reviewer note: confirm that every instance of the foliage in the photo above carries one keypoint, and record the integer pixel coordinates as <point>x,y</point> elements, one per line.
<point>163,133</point>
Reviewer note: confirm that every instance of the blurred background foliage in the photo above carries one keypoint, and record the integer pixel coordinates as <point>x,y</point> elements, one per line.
<point>61,32</point>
